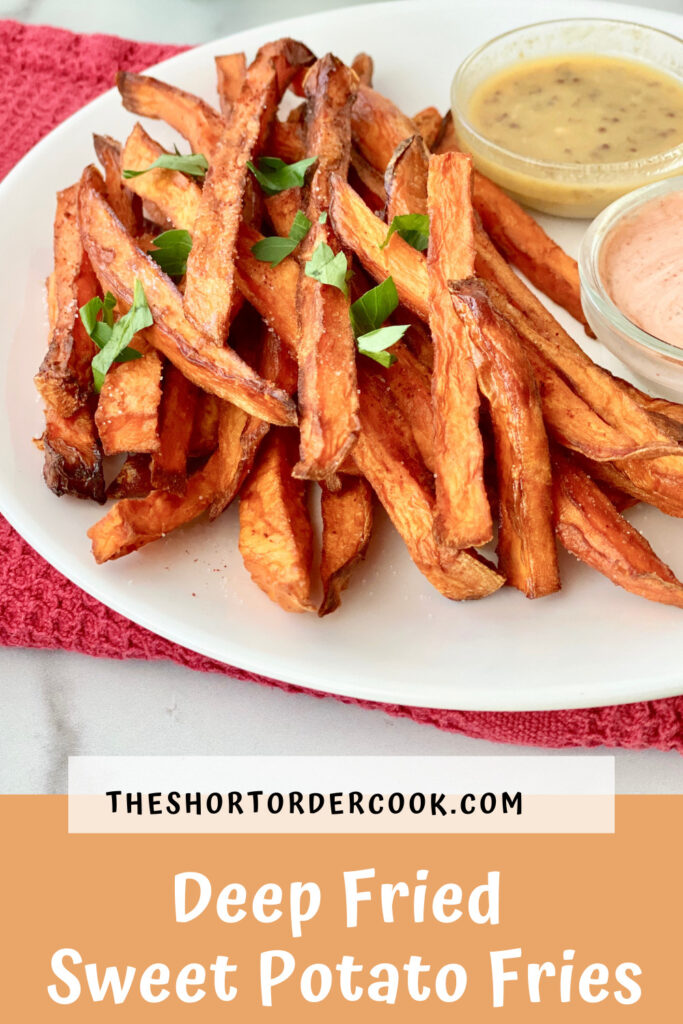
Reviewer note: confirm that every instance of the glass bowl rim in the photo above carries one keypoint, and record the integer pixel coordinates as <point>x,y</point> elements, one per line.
<point>572,170</point>
<point>589,257</point>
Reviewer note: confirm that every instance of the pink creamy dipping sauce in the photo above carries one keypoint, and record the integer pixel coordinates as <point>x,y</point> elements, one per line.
<point>641,266</point>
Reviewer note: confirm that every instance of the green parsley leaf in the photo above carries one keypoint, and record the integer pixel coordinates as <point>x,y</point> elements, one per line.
<point>327,268</point>
<point>172,249</point>
<point>369,312</point>
<point>275,249</point>
<point>301,225</point>
<point>322,219</point>
<point>116,347</point>
<point>194,164</point>
<point>274,175</point>
<point>375,343</point>
<point>413,229</point>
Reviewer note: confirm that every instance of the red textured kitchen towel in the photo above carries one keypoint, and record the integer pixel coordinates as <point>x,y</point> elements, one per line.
<point>45,75</point>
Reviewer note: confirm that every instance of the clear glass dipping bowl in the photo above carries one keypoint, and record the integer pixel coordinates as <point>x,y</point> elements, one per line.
<point>656,362</point>
<point>564,189</point>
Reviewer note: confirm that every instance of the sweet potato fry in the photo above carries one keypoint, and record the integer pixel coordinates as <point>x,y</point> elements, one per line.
<point>276,539</point>
<point>119,262</point>
<point>287,140</point>
<point>526,542</point>
<point>599,389</point>
<point>64,379</point>
<point>134,522</point>
<point>240,435</point>
<point>73,455</point>
<point>569,418</point>
<point>388,458</point>
<point>405,180</point>
<point>359,230</point>
<point>125,204</point>
<point>134,479</point>
<point>428,123</point>
<point>204,437</point>
<point>347,525</point>
<point>210,267</point>
<point>463,516</point>
<point>270,290</point>
<point>363,65</point>
<point>522,239</point>
<point>647,486</point>
<point>368,180</point>
<point>127,415</point>
<point>175,195</point>
<point>378,127</point>
<point>638,434</point>
<point>589,526</point>
<point>411,387</point>
<point>230,71</point>
<point>194,119</point>
<point>176,417</point>
<point>326,353</point>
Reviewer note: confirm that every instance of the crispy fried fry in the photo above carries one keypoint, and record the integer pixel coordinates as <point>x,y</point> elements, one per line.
<point>638,434</point>
<point>196,120</point>
<point>388,458</point>
<point>119,261</point>
<point>428,123</point>
<point>520,238</point>
<point>239,435</point>
<point>405,180</point>
<point>368,180</point>
<point>127,415</point>
<point>287,141</point>
<point>526,543</point>
<point>569,418</point>
<point>125,204</point>
<point>347,526</point>
<point>176,417</point>
<point>231,69</point>
<point>204,437</point>
<point>210,267</point>
<point>326,352</point>
<point>363,65</point>
<point>282,208</point>
<point>411,386</point>
<point>599,389</point>
<point>463,516</point>
<point>174,194</point>
<point>378,127</point>
<point>132,523</point>
<point>134,479</point>
<point>589,526</point>
<point>359,230</point>
<point>65,379</point>
<point>524,242</point>
<point>270,290</point>
<point>73,455</point>
<point>642,483</point>
<point>276,539</point>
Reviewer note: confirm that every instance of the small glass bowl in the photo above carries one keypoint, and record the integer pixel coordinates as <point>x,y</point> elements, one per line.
<point>564,189</point>
<point>654,361</point>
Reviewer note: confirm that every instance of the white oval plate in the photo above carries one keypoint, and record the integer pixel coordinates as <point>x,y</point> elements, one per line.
<point>394,639</point>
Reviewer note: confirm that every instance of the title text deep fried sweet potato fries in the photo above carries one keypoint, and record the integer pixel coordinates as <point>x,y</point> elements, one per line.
<point>321,298</point>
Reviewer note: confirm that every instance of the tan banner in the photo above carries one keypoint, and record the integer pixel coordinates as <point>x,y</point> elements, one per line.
<point>313,928</point>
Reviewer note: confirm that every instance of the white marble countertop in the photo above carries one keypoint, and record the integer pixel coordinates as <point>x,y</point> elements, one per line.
<point>53,704</point>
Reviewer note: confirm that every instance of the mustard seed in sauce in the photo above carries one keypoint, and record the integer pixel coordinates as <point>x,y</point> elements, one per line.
<point>581,109</point>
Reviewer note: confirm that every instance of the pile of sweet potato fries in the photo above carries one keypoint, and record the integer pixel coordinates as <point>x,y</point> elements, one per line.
<point>244,276</point>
